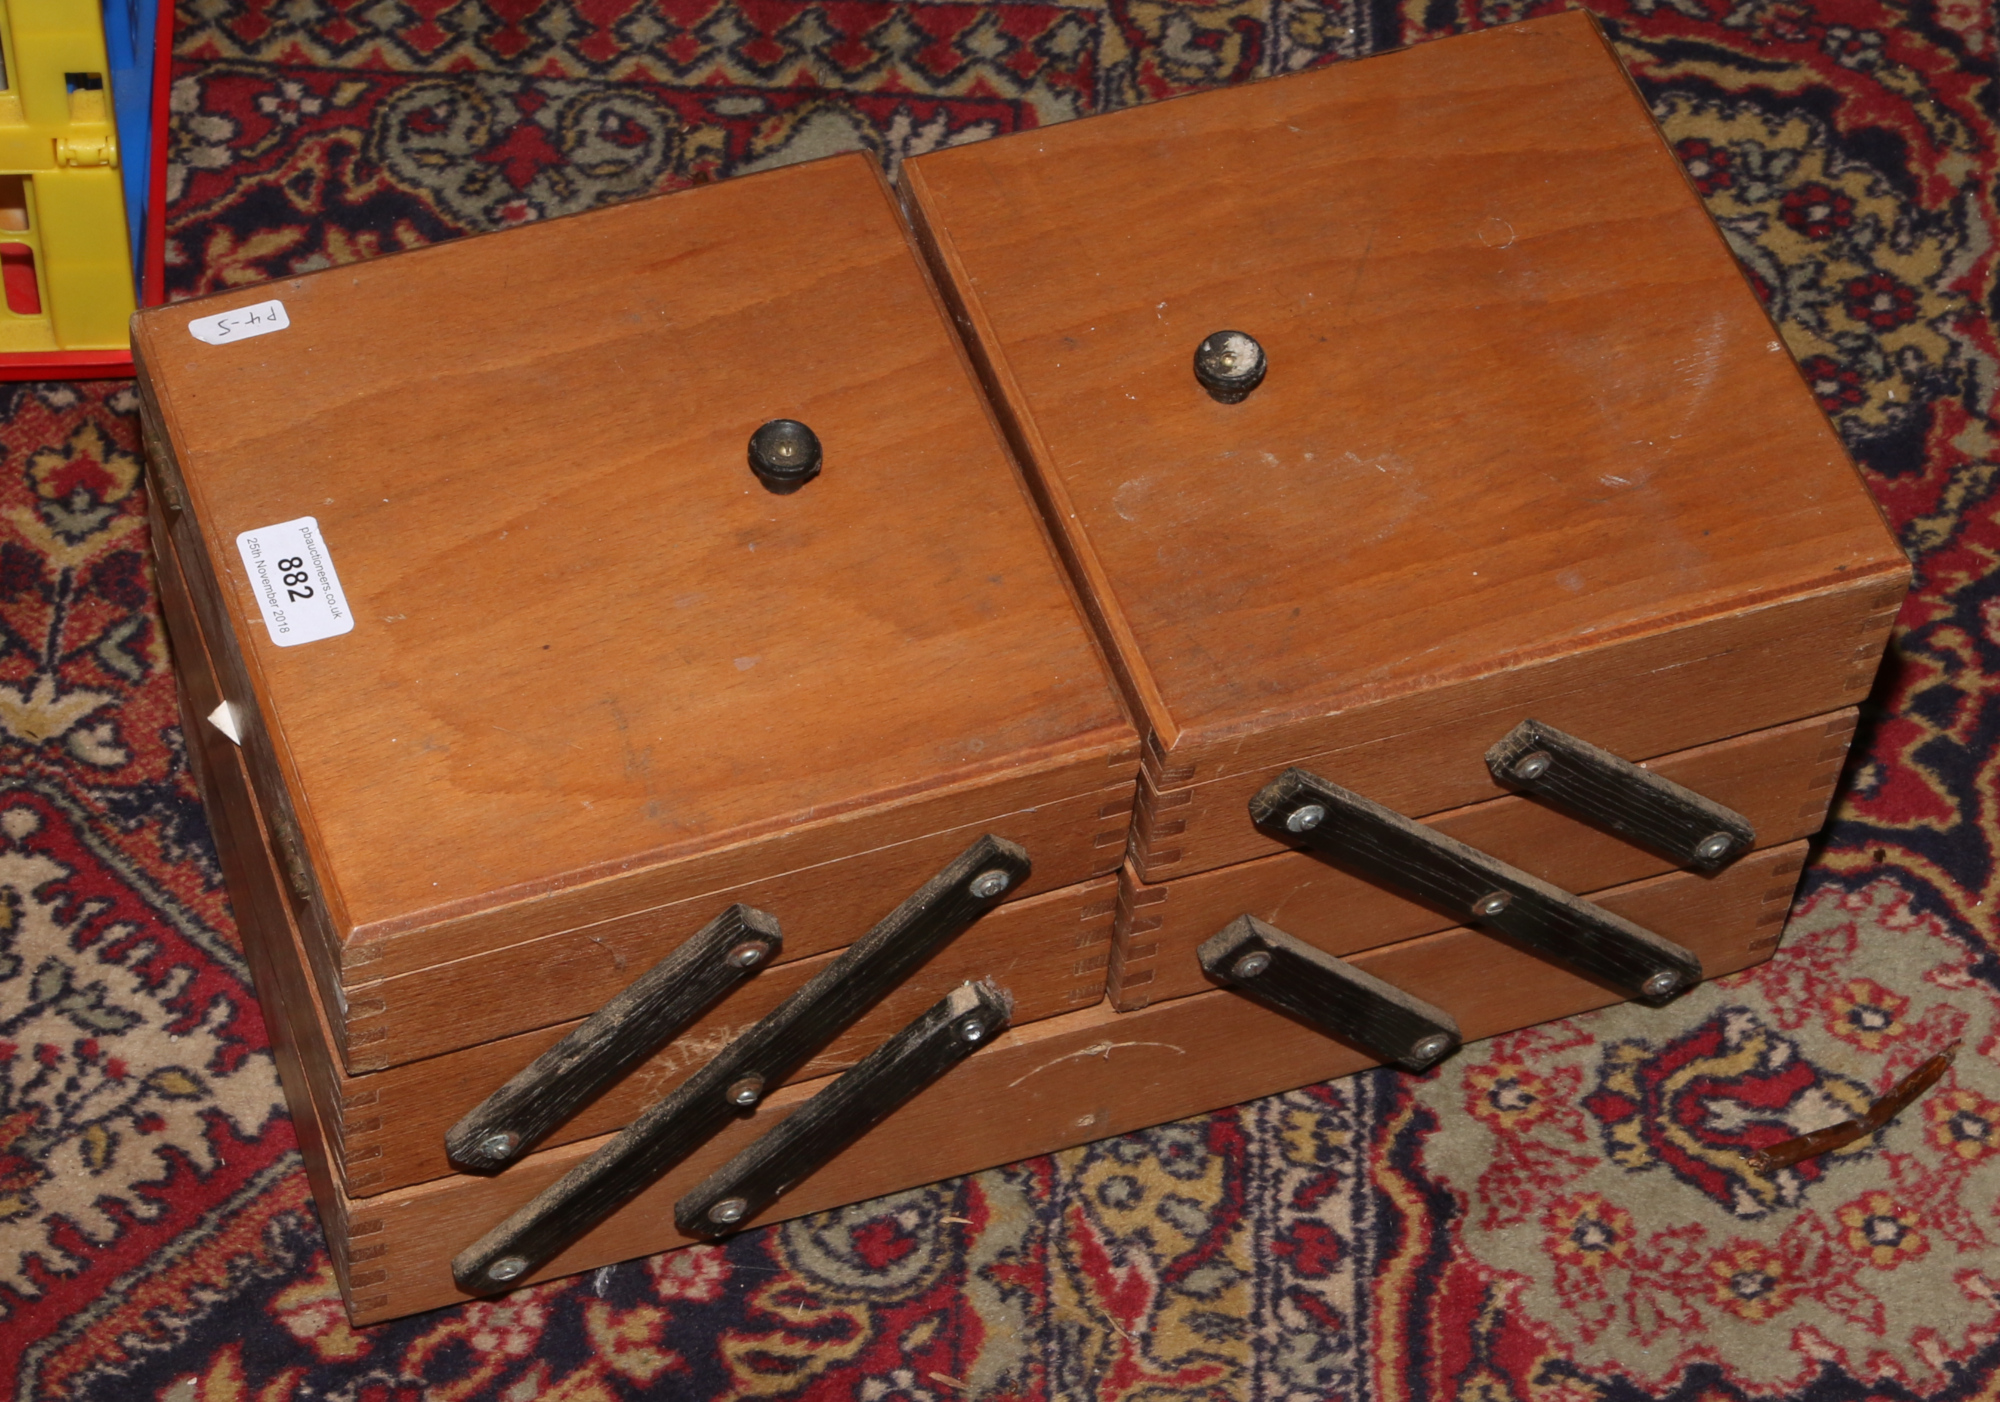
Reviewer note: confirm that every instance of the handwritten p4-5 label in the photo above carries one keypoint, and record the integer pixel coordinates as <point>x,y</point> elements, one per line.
<point>240,324</point>
<point>291,573</point>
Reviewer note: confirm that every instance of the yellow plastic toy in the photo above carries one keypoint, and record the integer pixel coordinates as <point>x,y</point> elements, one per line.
<point>65,264</point>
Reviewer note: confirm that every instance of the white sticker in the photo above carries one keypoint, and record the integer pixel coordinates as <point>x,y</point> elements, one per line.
<point>241,324</point>
<point>223,718</point>
<point>292,574</point>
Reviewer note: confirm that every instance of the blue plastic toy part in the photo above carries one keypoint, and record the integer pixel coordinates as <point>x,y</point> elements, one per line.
<point>129,29</point>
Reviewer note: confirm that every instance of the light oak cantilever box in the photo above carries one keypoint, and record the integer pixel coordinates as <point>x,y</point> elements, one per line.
<point>600,683</point>
<point>1272,583</point>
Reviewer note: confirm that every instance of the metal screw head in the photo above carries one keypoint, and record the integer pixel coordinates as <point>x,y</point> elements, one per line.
<point>500,1144</point>
<point>1714,845</point>
<point>506,1268</point>
<point>728,1210</point>
<point>990,883</point>
<point>785,455</point>
<point>749,954</point>
<point>1250,965</point>
<point>747,1092</point>
<point>1431,1048</point>
<point>1492,903</point>
<point>971,1029</point>
<point>1661,984</point>
<point>1533,765</point>
<point>1305,817</point>
<point>1229,365</point>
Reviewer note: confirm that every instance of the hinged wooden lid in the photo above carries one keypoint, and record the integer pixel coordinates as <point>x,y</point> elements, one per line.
<point>1521,408</point>
<point>588,645</point>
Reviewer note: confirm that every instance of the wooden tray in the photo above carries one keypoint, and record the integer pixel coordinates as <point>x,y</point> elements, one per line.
<point>1527,445</point>
<point>1781,779</point>
<point>598,677</point>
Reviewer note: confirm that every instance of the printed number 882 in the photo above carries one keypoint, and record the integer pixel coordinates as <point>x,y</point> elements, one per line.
<point>296,567</point>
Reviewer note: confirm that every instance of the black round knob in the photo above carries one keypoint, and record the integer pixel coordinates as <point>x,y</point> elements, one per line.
<point>1229,365</point>
<point>785,455</point>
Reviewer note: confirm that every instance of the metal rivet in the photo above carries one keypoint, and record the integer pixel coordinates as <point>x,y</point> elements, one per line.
<point>1229,364</point>
<point>500,1144</point>
<point>1661,984</point>
<point>1431,1047</point>
<point>1533,766</point>
<point>1250,965</point>
<point>1492,903</point>
<point>1713,846</point>
<point>1305,818</point>
<point>990,883</point>
<point>747,1091</point>
<point>506,1268</point>
<point>728,1210</point>
<point>749,954</point>
<point>785,455</point>
<point>971,1029</point>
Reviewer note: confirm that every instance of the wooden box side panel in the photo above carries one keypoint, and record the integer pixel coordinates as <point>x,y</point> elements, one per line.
<point>1759,670</point>
<point>1074,827</point>
<point>1047,1086</point>
<point>305,1070</point>
<point>1780,779</point>
<point>205,655</point>
<point>267,912</point>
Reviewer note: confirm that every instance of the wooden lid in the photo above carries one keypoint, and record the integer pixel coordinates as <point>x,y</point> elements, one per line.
<point>1519,403</point>
<point>586,638</point>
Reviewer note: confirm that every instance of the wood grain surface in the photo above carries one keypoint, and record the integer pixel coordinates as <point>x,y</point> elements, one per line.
<point>1781,779</point>
<point>1051,1084</point>
<point>597,668</point>
<point>1527,445</point>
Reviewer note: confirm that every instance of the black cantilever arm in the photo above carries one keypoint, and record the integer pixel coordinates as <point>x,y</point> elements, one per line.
<point>860,1098</point>
<point>654,1009</point>
<point>1440,871</point>
<point>1615,794</point>
<point>1280,969</point>
<point>738,1077</point>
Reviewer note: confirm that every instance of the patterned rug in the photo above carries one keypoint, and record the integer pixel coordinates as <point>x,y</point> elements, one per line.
<point>1554,1215</point>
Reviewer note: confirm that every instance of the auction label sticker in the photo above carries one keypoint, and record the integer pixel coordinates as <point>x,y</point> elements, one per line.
<point>291,571</point>
<point>240,325</point>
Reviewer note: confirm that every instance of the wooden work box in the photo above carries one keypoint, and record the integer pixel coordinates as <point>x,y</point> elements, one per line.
<point>1526,448</point>
<point>598,682</point>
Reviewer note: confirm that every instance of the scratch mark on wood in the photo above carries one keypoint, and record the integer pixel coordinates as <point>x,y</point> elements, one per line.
<point>1103,1049</point>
